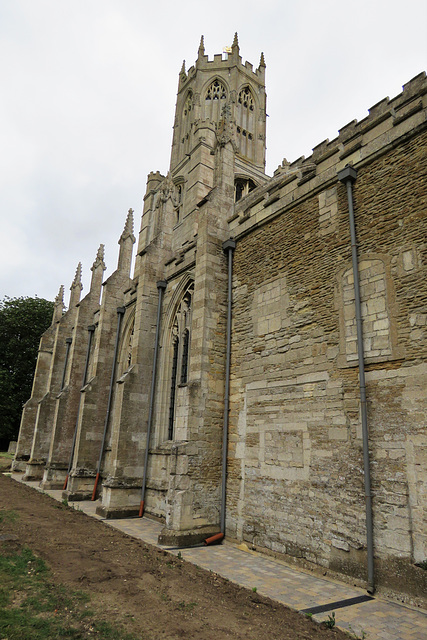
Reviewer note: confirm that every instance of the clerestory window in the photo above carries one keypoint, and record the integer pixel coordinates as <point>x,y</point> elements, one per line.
<point>242,186</point>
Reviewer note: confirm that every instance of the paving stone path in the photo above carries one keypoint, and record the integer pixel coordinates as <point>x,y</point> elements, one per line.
<point>377,618</point>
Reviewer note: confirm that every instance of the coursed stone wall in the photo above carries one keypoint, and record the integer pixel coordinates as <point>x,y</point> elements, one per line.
<point>295,482</point>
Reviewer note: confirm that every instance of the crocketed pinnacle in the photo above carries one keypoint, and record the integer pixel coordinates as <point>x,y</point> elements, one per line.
<point>202,46</point>
<point>99,260</point>
<point>183,68</point>
<point>78,277</point>
<point>262,60</point>
<point>76,287</point>
<point>58,308</point>
<point>60,297</point>
<point>235,41</point>
<point>128,230</point>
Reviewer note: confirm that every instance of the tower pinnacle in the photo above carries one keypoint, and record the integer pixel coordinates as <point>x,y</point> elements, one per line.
<point>202,47</point>
<point>235,41</point>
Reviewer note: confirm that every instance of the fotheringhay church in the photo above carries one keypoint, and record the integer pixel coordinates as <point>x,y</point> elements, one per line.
<point>262,375</point>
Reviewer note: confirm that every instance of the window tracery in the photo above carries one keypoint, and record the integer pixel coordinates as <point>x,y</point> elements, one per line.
<point>245,121</point>
<point>242,186</point>
<point>180,339</point>
<point>125,358</point>
<point>186,121</point>
<point>177,200</point>
<point>188,104</point>
<point>246,99</point>
<point>216,91</point>
<point>129,345</point>
<point>215,96</point>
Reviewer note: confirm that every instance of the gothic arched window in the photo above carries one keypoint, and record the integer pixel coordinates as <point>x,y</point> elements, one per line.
<point>187,113</point>
<point>245,120</point>
<point>215,96</point>
<point>180,338</point>
<point>177,200</point>
<point>246,99</point>
<point>125,354</point>
<point>242,186</point>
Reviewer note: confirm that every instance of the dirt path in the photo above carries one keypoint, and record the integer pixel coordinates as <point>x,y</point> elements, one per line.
<point>150,592</point>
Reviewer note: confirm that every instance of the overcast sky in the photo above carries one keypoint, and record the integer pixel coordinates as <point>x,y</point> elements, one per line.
<point>88,91</point>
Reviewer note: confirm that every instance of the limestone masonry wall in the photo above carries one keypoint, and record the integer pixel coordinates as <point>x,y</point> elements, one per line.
<point>129,398</point>
<point>295,482</point>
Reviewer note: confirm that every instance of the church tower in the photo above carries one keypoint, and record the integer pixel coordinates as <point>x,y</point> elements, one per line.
<point>210,93</point>
<point>217,99</point>
<point>217,157</point>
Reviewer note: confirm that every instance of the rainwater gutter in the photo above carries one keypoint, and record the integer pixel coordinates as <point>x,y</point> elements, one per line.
<point>228,246</point>
<point>347,176</point>
<point>161,286</point>
<point>120,314</point>
<point>91,329</point>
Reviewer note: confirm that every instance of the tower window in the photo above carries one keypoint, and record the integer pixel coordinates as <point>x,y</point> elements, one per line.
<point>246,122</point>
<point>246,99</point>
<point>177,201</point>
<point>216,91</point>
<point>188,104</point>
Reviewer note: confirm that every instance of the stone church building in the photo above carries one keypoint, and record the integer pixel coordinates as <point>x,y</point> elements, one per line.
<point>262,374</point>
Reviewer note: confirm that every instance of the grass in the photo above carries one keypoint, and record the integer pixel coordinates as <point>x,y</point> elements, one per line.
<point>5,454</point>
<point>32,607</point>
<point>8,515</point>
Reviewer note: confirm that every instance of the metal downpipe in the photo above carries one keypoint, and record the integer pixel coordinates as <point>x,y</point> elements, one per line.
<point>161,286</point>
<point>347,176</point>
<point>120,314</point>
<point>229,246</point>
<point>91,329</point>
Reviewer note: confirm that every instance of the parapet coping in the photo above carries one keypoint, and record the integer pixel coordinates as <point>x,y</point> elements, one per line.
<point>357,143</point>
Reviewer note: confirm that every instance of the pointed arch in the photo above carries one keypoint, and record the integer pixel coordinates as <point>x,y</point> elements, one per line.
<point>186,121</point>
<point>214,97</point>
<point>126,344</point>
<point>246,118</point>
<point>175,366</point>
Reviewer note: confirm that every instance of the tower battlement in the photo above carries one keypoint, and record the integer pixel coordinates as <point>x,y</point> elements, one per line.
<point>222,62</point>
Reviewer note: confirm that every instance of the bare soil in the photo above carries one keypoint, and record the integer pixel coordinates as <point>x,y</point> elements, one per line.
<point>150,592</point>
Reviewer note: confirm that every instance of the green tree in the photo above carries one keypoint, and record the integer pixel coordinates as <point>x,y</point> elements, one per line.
<point>22,322</point>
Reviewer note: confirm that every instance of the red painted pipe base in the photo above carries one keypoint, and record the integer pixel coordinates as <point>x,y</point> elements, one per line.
<point>95,487</point>
<point>65,483</point>
<point>216,539</point>
<point>141,509</point>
